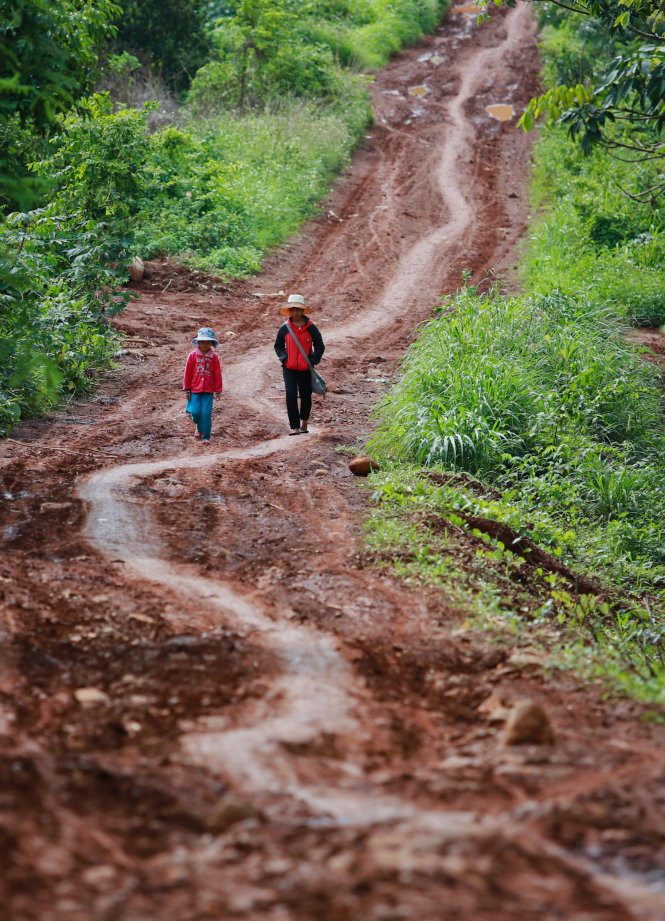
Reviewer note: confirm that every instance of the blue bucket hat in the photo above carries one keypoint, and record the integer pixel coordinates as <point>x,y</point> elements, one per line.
<point>205,334</point>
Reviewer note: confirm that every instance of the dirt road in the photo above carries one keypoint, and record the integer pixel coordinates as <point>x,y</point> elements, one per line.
<point>210,708</point>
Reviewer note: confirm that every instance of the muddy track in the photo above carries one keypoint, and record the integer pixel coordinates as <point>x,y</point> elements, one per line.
<point>210,708</point>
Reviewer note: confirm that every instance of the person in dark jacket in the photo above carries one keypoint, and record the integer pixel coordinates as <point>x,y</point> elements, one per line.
<point>297,375</point>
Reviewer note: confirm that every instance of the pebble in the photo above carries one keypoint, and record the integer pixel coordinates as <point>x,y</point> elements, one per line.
<point>91,696</point>
<point>229,812</point>
<point>527,723</point>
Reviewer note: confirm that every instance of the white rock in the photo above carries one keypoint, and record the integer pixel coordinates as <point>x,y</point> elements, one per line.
<point>91,696</point>
<point>136,269</point>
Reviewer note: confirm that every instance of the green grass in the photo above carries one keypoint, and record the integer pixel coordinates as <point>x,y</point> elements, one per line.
<point>542,398</point>
<point>560,423</point>
<point>235,186</point>
<point>590,239</point>
<point>536,413</point>
<point>368,32</point>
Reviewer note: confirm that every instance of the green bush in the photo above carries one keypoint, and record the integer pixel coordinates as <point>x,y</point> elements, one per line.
<point>170,35</point>
<point>54,336</point>
<point>270,49</point>
<point>99,158</point>
<point>226,192</point>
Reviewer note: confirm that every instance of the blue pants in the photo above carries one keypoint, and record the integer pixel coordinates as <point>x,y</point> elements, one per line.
<point>199,406</point>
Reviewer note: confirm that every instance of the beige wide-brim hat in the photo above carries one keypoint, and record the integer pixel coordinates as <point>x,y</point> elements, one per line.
<point>295,300</point>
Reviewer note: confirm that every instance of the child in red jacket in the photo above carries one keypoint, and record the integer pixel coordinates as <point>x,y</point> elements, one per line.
<point>202,380</point>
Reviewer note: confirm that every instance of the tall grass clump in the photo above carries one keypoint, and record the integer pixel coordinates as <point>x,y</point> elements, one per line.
<point>542,397</point>
<point>380,28</point>
<point>235,185</point>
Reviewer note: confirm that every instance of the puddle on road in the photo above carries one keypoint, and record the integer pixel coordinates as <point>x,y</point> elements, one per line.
<point>418,90</point>
<point>469,9</point>
<point>431,57</point>
<point>502,112</point>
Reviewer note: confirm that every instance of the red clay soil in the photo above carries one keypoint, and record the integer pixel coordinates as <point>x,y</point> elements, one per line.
<point>210,706</point>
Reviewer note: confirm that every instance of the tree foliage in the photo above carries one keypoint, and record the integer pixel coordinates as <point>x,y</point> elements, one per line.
<point>260,54</point>
<point>170,35</point>
<point>621,104</point>
<point>48,59</point>
<point>51,262</point>
<point>48,54</point>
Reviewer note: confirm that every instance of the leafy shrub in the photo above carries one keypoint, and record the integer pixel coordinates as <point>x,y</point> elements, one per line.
<point>54,336</point>
<point>269,49</point>
<point>225,193</point>
<point>99,159</point>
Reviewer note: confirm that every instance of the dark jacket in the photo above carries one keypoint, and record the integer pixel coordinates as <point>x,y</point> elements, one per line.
<point>289,353</point>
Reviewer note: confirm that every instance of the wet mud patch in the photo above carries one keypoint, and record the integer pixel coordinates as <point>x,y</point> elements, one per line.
<point>503,112</point>
<point>429,674</point>
<point>608,826</point>
<point>264,504</point>
<point>142,688</point>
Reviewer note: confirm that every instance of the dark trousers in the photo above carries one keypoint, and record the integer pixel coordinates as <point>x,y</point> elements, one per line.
<point>297,382</point>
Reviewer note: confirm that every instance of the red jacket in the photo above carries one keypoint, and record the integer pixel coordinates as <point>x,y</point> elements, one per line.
<point>289,353</point>
<point>203,373</point>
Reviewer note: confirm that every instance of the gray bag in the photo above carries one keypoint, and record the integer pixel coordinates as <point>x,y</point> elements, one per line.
<point>318,380</point>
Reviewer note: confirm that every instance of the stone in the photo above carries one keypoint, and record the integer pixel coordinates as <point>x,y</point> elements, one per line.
<point>494,709</point>
<point>527,660</point>
<point>229,812</point>
<point>136,269</point>
<point>91,696</point>
<point>361,465</point>
<point>527,723</point>
<point>54,506</point>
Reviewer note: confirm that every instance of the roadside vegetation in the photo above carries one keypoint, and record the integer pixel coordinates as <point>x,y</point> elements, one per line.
<point>206,131</point>
<point>529,431</point>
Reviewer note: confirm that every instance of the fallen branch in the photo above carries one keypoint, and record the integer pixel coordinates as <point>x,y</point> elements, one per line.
<point>525,547</point>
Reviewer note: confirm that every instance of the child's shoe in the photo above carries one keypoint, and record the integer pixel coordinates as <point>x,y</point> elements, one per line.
<point>197,435</point>
<point>205,441</point>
